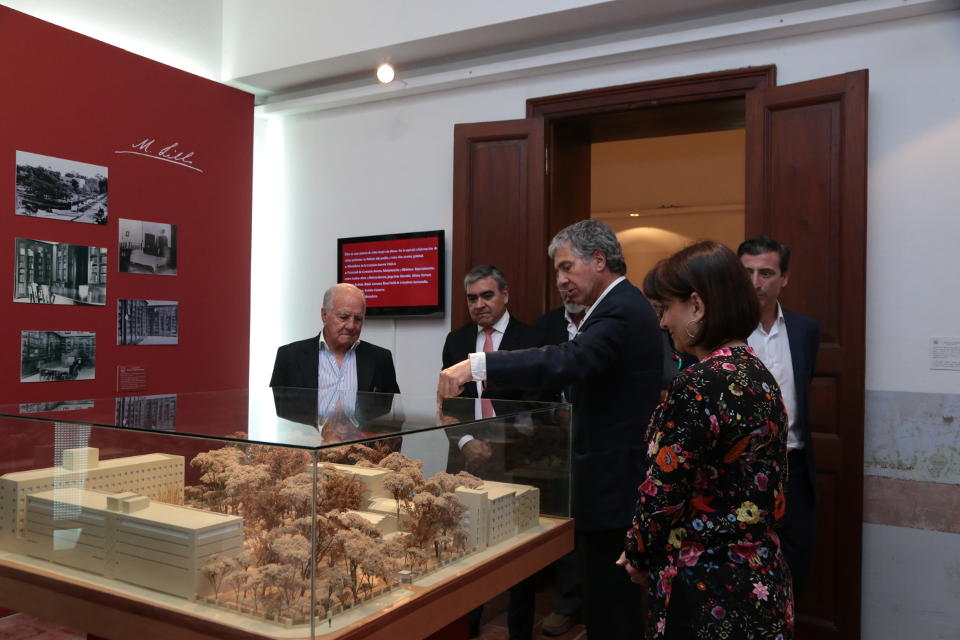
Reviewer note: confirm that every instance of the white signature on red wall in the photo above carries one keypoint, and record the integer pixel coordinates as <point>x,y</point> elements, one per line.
<point>170,153</point>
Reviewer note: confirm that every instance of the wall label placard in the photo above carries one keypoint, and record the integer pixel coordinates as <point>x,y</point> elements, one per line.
<point>945,354</point>
<point>131,378</point>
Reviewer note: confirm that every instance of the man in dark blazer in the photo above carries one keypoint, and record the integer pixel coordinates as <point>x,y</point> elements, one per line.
<point>487,296</point>
<point>787,343</point>
<point>613,368</point>
<point>299,364</point>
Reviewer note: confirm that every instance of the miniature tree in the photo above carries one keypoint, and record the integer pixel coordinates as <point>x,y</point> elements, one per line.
<point>374,565</point>
<point>397,461</point>
<point>339,492</point>
<point>285,585</point>
<point>401,487</point>
<point>294,551</point>
<point>243,484</point>
<point>394,551</point>
<point>353,546</point>
<point>468,480</point>
<point>424,520</point>
<point>215,467</point>
<point>215,570</point>
<point>335,581</point>
<point>295,495</point>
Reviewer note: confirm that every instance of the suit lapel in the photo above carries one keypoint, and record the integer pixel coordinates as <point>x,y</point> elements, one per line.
<point>308,363</point>
<point>365,368</point>
<point>798,353</point>
<point>509,336</point>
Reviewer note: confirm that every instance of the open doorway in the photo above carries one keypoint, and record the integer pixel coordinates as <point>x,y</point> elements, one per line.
<point>660,194</point>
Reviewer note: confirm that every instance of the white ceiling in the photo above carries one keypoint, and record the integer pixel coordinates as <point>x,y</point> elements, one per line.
<point>596,21</point>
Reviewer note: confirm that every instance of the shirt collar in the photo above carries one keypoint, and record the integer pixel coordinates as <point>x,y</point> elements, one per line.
<point>779,322</point>
<point>500,325</point>
<point>324,347</point>
<point>602,296</point>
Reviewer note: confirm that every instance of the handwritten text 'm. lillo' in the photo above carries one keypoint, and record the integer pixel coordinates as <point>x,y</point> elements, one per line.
<point>169,153</point>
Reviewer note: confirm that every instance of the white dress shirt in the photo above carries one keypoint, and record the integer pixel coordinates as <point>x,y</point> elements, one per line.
<point>773,349</point>
<point>336,383</point>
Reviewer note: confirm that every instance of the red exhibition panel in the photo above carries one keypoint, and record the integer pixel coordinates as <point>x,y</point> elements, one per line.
<point>170,153</point>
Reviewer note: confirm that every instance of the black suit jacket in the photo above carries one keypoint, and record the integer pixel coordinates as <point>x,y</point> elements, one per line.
<point>803,334</point>
<point>613,367</point>
<point>462,342</point>
<point>297,362</point>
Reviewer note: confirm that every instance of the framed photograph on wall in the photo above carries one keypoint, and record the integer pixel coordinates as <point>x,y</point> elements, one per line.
<point>59,273</point>
<point>60,189</point>
<point>57,356</point>
<point>148,247</point>
<point>147,322</point>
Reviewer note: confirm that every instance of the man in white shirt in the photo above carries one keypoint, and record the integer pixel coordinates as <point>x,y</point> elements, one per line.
<point>337,362</point>
<point>787,343</point>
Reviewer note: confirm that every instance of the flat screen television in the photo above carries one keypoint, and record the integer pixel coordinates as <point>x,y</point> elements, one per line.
<point>401,274</point>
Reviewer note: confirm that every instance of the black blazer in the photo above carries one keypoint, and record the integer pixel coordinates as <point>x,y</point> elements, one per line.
<point>552,327</point>
<point>297,362</point>
<point>462,342</point>
<point>613,367</point>
<point>803,334</point>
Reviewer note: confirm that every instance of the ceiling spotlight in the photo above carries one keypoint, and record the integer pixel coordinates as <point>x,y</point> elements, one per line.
<point>634,215</point>
<point>385,73</point>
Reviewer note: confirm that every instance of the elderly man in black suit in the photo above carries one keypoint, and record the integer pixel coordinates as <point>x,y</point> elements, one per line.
<point>613,367</point>
<point>337,361</point>
<point>787,344</point>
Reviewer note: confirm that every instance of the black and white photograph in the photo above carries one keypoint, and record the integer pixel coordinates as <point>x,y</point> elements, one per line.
<point>148,247</point>
<point>147,322</point>
<point>59,273</point>
<point>60,405</point>
<point>49,187</point>
<point>55,356</point>
<point>148,412</point>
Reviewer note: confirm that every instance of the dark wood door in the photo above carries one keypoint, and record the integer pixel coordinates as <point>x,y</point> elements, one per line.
<point>498,182</point>
<point>806,185</point>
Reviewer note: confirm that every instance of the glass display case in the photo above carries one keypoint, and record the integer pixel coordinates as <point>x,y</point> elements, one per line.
<point>278,511</point>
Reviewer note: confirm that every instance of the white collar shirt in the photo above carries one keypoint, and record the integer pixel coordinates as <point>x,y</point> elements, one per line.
<point>773,349</point>
<point>336,382</point>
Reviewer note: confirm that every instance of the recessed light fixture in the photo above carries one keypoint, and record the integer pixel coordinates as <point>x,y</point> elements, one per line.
<point>386,73</point>
<point>634,215</point>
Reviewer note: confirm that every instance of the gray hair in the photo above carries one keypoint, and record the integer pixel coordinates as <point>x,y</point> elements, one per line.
<point>336,289</point>
<point>587,237</point>
<point>482,271</point>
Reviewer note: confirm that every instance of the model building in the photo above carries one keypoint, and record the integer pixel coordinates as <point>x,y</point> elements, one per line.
<point>243,540</point>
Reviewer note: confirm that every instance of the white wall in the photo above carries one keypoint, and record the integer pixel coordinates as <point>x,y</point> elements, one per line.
<point>386,166</point>
<point>181,33</point>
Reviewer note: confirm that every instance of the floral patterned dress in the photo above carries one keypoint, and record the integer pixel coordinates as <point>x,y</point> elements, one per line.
<point>714,490</point>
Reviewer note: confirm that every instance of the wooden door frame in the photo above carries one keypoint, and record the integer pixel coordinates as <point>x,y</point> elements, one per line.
<point>564,200</point>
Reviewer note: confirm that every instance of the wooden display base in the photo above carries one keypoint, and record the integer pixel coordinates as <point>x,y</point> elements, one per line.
<point>114,615</point>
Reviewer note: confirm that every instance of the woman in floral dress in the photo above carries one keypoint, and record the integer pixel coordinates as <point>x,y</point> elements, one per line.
<point>703,538</point>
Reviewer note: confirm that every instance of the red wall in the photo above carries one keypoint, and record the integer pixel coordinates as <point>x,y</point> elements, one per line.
<point>73,97</point>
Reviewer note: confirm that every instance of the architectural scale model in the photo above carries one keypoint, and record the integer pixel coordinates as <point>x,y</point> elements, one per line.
<point>243,542</point>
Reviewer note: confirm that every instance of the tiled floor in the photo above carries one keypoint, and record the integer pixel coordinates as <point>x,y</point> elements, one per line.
<point>20,626</point>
